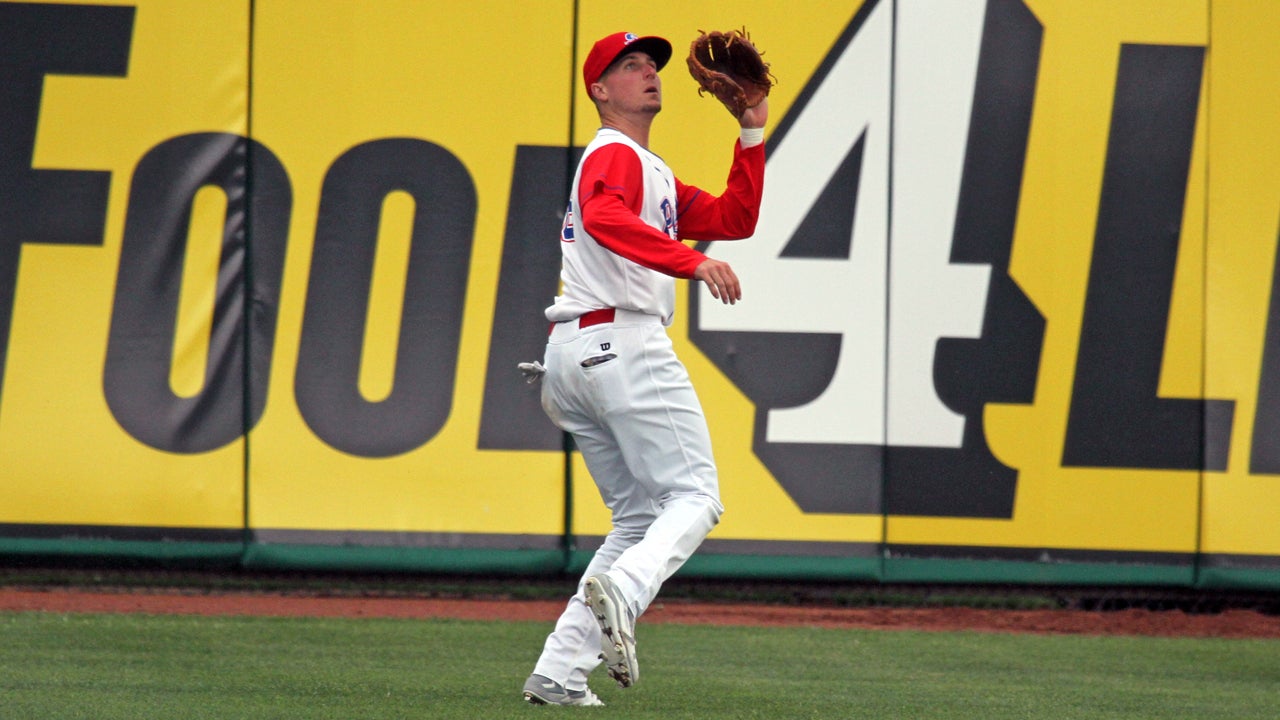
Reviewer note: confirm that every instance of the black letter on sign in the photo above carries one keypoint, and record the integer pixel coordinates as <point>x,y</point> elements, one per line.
<point>48,206</point>
<point>144,316</point>
<point>327,383</point>
<point>1116,418</point>
<point>512,416</point>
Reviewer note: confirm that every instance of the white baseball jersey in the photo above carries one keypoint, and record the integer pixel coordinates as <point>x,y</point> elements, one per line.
<point>595,277</point>
<point>627,214</point>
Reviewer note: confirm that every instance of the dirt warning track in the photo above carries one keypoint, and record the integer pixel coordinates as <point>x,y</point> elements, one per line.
<point>1165,623</point>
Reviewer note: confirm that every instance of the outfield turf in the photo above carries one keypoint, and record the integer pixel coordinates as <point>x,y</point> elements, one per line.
<point>101,667</point>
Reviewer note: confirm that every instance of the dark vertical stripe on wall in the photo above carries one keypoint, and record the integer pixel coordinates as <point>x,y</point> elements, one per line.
<point>249,382</point>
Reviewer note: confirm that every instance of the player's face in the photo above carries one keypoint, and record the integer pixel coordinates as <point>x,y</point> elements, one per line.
<point>633,83</point>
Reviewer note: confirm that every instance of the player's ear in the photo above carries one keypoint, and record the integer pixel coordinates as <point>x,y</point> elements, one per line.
<point>599,92</point>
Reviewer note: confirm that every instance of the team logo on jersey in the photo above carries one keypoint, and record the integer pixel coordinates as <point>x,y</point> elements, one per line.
<point>669,222</point>
<point>566,229</point>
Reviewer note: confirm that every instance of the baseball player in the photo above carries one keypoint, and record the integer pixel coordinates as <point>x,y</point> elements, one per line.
<point>612,379</point>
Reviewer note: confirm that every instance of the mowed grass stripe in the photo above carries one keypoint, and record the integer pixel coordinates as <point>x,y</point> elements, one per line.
<point>144,666</point>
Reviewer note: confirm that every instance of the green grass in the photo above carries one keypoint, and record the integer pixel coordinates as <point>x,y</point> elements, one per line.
<point>101,667</point>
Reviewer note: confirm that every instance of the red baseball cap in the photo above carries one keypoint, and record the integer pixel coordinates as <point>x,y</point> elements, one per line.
<point>610,48</point>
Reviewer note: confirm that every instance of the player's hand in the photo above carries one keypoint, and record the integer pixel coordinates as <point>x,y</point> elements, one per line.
<point>755,117</point>
<point>720,280</point>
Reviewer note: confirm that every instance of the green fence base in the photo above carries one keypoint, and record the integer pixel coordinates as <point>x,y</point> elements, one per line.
<point>354,558</point>
<point>1240,578</point>
<point>951,570</point>
<point>114,552</point>
<point>214,549</point>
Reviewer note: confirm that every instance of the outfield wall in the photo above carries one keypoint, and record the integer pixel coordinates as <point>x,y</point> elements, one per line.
<point>1010,314</point>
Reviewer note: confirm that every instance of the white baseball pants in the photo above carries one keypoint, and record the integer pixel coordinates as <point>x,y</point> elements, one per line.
<point>639,426</point>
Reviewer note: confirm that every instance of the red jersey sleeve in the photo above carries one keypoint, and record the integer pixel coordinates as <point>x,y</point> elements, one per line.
<point>610,194</point>
<point>733,215</point>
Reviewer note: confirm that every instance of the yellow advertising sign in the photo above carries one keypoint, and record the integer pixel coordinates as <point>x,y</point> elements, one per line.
<point>270,266</point>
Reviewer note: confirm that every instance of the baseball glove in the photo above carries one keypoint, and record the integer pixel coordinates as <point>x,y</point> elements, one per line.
<point>729,67</point>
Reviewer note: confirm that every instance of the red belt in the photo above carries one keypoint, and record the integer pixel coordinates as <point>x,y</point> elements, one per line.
<point>594,317</point>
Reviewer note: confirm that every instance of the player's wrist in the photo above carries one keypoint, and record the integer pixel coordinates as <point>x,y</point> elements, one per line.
<point>750,137</point>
